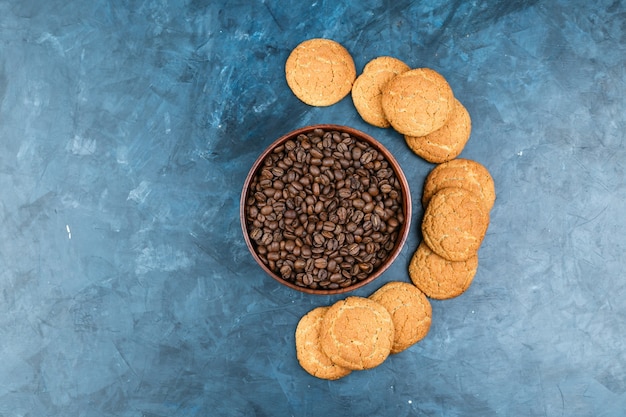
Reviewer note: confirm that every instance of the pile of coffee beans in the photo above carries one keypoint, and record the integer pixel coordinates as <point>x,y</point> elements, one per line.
<point>324,210</point>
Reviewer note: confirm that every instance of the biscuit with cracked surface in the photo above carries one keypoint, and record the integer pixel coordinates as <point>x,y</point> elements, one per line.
<point>367,88</point>
<point>309,351</point>
<point>410,311</point>
<point>438,277</point>
<point>357,333</point>
<point>320,72</point>
<point>464,173</point>
<point>417,102</point>
<point>447,142</point>
<point>455,223</point>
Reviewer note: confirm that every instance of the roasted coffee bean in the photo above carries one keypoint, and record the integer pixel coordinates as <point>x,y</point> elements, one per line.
<point>324,210</point>
<point>353,249</point>
<point>344,193</point>
<point>342,214</point>
<point>285,271</point>
<point>318,239</point>
<point>321,263</point>
<point>307,279</point>
<point>316,153</point>
<point>306,251</point>
<point>299,264</point>
<point>366,157</point>
<point>358,203</point>
<point>256,233</point>
<point>357,216</point>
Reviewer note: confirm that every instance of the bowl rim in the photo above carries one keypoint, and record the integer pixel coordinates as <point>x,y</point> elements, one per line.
<point>406,206</point>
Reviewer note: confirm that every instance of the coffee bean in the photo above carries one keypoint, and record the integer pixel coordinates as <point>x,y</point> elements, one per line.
<point>357,216</point>
<point>318,239</point>
<point>314,169</point>
<point>307,279</point>
<point>256,233</point>
<point>386,188</point>
<point>358,203</point>
<point>285,271</point>
<point>366,157</point>
<point>353,249</point>
<point>316,153</point>
<point>320,263</point>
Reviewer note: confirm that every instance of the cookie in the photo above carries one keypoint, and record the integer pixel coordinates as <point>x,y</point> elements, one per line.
<point>454,223</point>
<point>410,312</point>
<point>438,277</point>
<point>417,102</point>
<point>320,72</point>
<point>357,333</point>
<point>447,142</point>
<point>367,88</point>
<point>464,173</point>
<point>309,351</point>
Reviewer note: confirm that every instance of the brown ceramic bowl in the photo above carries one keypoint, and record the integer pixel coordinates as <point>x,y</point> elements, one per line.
<point>248,196</point>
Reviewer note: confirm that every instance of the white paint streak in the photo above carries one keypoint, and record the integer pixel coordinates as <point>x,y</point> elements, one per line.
<point>82,146</point>
<point>140,193</point>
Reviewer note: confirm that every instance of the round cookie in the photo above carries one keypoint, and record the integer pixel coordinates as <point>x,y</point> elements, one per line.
<point>367,88</point>
<point>357,333</point>
<point>320,72</point>
<point>417,102</point>
<point>308,349</point>
<point>410,311</point>
<point>447,142</point>
<point>438,277</point>
<point>463,173</point>
<point>454,223</point>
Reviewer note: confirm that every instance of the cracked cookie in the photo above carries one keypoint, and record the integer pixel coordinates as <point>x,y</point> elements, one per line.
<point>438,277</point>
<point>367,88</point>
<point>454,224</point>
<point>447,142</point>
<point>309,351</point>
<point>417,102</point>
<point>320,72</point>
<point>410,312</point>
<point>357,333</point>
<point>463,173</point>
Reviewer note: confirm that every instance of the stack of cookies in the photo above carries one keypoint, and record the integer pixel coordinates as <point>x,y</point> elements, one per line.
<point>418,103</point>
<point>457,198</point>
<point>359,333</point>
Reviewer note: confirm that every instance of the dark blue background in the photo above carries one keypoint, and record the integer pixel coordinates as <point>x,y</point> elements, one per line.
<point>127,129</point>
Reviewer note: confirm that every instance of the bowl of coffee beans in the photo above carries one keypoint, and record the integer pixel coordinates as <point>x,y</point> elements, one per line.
<point>325,209</point>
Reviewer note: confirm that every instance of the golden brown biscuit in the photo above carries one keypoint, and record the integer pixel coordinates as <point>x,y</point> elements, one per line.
<point>357,333</point>
<point>320,72</point>
<point>417,102</point>
<point>464,173</point>
<point>410,311</point>
<point>447,142</point>
<point>438,277</point>
<point>455,223</point>
<point>309,351</point>
<point>367,88</point>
